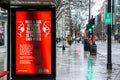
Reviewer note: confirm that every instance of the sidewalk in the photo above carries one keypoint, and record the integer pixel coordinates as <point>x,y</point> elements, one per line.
<point>76,64</point>
<point>115,53</point>
<point>3,56</point>
<point>117,76</point>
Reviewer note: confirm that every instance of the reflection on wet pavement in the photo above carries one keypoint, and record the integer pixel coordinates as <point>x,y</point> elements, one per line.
<point>76,64</point>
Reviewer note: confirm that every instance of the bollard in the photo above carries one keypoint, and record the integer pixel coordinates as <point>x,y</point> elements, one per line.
<point>86,45</point>
<point>1,43</point>
<point>63,47</point>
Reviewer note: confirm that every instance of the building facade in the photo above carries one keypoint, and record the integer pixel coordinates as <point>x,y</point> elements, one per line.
<point>101,29</point>
<point>115,29</point>
<point>117,19</point>
<point>63,20</point>
<point>3,27</point>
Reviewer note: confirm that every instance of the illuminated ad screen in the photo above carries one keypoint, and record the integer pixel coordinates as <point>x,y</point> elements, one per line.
<point>33,42</point>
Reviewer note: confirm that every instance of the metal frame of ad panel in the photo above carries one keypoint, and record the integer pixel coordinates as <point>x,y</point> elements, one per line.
<point>33,34</point>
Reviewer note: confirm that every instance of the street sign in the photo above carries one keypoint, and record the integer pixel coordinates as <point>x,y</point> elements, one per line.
<point>108,18</point>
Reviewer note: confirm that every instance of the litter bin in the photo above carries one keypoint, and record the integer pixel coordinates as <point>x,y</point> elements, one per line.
<point>93,49</point>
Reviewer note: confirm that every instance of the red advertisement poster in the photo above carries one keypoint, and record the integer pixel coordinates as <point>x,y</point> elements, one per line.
<point>33,42</point>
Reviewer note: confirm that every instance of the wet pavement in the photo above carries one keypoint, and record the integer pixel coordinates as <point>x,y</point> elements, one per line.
<point>76,64</point>
<point>3,58</point>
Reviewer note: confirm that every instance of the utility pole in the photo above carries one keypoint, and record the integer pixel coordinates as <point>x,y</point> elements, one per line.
<point>89,16</point>
<point>89,9</point>
<point>109,64</point>
<point>63,47</point>
<point>70,17</point>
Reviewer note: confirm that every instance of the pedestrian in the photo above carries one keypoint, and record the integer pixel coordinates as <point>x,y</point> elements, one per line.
<point>59,39</point>
<point>69,39</point>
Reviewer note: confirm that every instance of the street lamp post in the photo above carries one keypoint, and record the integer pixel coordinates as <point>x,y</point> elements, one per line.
<point>109,64</point>
<point>63,47</point>
<point>89,9</point>
<point>70,17</point>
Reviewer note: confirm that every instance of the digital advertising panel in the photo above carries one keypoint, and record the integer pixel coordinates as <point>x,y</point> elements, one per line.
<point>33,41</point>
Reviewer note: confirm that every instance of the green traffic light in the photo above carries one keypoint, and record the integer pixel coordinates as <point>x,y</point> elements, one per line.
<point>90,30</point>
<point>93,26</point>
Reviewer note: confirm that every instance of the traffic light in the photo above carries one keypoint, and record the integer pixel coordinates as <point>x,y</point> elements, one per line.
<point>90,29</point>
<point>91,25</point>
